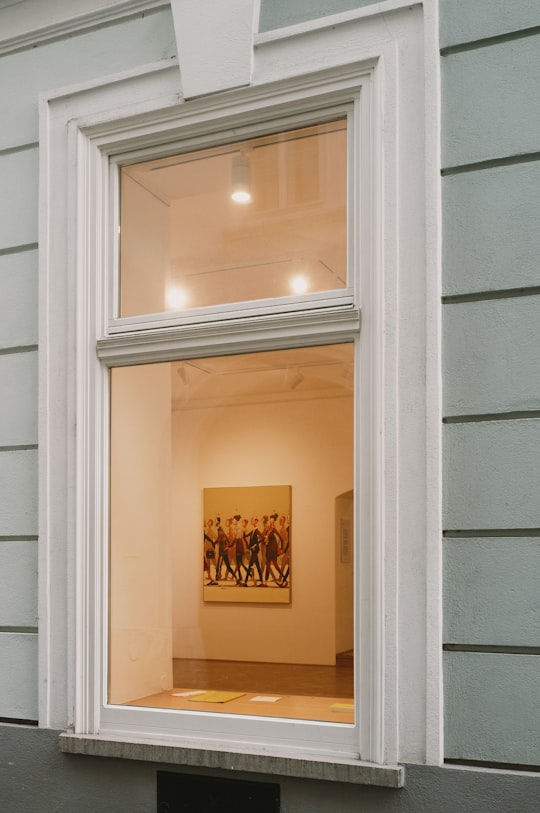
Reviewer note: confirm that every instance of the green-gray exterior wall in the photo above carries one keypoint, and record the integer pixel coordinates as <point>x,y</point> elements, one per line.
<point>37,778</point>
<point>281,13</point>
<point>490,67</point>
<point>120,46</point>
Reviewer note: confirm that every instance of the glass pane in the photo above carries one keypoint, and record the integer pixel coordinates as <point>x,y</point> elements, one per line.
<point>260,218</point>
<point>231,538</point>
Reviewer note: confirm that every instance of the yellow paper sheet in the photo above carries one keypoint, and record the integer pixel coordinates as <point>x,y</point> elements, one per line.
<point>342,706</point>
<point>215,697</point>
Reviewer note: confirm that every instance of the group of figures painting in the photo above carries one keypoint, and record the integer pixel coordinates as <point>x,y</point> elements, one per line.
<point>247,544</point>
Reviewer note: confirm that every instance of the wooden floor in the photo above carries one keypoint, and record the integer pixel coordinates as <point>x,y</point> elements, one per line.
<point>284,678</point>
<point>296,691</point>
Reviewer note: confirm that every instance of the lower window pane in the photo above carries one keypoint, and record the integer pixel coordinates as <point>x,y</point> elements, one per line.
<point>231,534</point>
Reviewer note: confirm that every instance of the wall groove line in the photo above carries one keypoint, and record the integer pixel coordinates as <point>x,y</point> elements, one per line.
<point>493,416</point>
<point>18,538</point>
<point>27,348</point>
<point>18,721</point>
<point>487,42</point>
<point>18,249</point>
<point>19,630</point>
<point>21,447</point>
<point>20,148</point>
<point>498,766</point>
<point>494,649</point>
<point>491,163</point>
<point>490,532</point>
<point>481,296</point>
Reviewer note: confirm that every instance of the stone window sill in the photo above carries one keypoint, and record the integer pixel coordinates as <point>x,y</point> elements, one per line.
<point>331,770</point>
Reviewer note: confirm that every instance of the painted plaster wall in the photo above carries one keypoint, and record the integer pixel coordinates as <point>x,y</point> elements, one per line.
<point>33,769</point>
<point>119,46</point>
<point>281,13</point>
<point>491,322</point>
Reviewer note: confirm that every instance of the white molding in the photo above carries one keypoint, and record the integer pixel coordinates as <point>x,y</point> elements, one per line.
<point>82,131</point>
<point>434,451</point>
<point>270,333</point>
<point>214,44</point>
<point>29,23</point>
<point>398,431</point>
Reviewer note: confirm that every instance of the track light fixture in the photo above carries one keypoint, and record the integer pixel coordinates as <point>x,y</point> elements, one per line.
<point>240,179</point>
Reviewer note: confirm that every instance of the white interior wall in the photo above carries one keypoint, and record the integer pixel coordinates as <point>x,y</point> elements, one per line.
<point>307,444</point>
<point>140,611</point>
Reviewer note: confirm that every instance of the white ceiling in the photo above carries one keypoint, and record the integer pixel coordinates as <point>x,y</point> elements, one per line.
<point>300,374</point>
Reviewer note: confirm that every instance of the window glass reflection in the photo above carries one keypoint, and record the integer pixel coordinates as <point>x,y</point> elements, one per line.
<point>231,537</point>
<point>261,218</point>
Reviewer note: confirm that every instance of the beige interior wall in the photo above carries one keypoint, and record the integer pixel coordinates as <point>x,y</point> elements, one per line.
<point>144,238</point>
<point>306,444</point>
<point>140,603</point>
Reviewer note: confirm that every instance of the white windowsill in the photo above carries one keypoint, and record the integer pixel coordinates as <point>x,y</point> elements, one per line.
<point>308,767</point>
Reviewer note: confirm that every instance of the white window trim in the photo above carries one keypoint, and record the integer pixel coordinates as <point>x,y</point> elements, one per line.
<point>133,106</point>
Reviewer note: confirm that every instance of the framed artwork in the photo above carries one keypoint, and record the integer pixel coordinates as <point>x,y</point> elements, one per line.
<point>247,544</point>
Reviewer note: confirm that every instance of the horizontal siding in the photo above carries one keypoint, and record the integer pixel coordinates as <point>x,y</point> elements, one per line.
<point>492,711</point>
<point>19,198</point>
<point>470,20</point>
<point>280,13</point>
<point>492,591</point>
<point>489,106</point>
<point>492,475</point>
<point>18,487</point>
<point>81,58</point>
<point>491,223</point>
<point>18,299</point>
<point>18,405</point>
<point>18,596</point>
<point>18,676</point>
<point>492,356</point>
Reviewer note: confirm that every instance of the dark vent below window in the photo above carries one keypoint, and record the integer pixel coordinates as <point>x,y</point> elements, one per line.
<point>182,793</point>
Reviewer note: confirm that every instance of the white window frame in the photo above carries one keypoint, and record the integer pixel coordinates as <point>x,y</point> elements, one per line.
<point>300,113</point>
<point>80,130</point>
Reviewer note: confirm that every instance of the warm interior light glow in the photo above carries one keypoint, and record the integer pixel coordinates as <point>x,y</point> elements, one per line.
<point>241,196</point>
<point>176,298</point>
<point>299,285</point>
<point>286,219</point>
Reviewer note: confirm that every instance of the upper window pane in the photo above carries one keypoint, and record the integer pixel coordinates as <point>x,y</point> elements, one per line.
<point>252,220</point>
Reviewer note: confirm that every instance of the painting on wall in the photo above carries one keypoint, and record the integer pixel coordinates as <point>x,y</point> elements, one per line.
<point>247,544</point>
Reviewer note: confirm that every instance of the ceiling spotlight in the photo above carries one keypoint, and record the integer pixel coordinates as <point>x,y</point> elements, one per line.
<point>176,298</point>
<point>299,285</point>
<point>240,179</point>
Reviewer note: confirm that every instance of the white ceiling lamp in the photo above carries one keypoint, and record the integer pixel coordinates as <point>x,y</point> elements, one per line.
<point>240,179</point>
